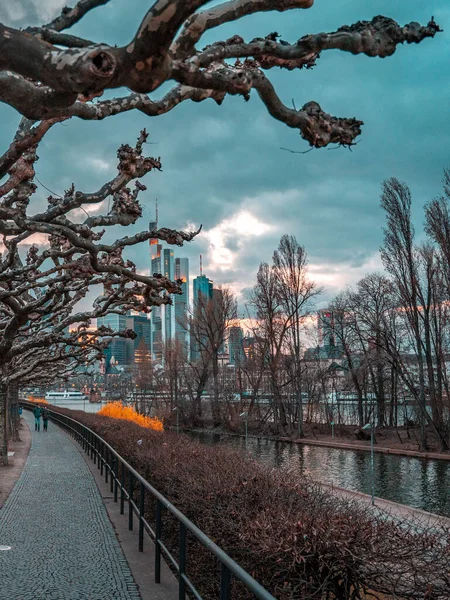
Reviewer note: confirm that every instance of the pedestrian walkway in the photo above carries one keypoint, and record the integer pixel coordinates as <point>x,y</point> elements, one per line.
<point>63,546</point>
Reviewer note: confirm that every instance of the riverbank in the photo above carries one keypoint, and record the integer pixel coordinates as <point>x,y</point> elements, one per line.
<point>400,512</point>
<point>386,441</point>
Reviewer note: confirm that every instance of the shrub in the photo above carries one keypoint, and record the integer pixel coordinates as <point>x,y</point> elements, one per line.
<point>297,540</point>
<point>117,410</point>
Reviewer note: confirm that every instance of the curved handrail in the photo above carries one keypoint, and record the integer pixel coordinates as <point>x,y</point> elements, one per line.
<point>226,561</point>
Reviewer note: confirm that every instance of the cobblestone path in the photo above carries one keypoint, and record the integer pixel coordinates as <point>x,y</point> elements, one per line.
<point>63,544</point>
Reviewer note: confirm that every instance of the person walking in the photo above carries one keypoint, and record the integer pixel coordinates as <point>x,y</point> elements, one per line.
<point>37,417</point>
<point>45,418</point>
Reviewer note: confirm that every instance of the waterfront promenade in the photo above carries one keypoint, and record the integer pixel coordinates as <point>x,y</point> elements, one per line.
<point>63,544</point>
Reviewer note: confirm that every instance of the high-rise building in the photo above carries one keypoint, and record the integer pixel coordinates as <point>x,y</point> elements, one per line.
<point>117,349</point>
<point>156,316</point>
<point>217,305</point>
<point>168,309</point>
<point>202,292</point>
<point>167,320</point>
<point>202,286</point>
<point>182,303</point>
<point>236,345</point>
<point>140,324</point>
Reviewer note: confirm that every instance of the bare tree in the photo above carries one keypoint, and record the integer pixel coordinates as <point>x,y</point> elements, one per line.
<point>40,293</point>
<point>47,74</point>
<point>208,326</point>
<point>174,362</point>
<point>296,292</point>
<point>399,257</point>
<point>371,304</point>
<point>273,326</point>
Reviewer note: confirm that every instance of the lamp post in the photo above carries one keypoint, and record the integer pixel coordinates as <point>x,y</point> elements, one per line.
<point>245,414</point>
<point>178,419</point>
<point>372,463</point>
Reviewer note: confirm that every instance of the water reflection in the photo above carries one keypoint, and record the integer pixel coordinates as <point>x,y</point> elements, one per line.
<point>416,482</point>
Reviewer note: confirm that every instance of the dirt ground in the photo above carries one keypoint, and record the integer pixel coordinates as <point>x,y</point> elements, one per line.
<point>11,473</point>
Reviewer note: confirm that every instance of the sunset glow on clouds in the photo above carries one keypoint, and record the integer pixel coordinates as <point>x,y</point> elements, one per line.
<point>231,237</point>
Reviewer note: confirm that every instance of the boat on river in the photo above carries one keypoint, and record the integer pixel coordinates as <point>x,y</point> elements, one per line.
<point>65,396</point>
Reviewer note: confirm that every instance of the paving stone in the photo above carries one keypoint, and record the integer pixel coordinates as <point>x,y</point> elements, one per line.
<point>63,544</point>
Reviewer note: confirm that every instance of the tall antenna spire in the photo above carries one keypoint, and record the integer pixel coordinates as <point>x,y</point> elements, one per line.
<point>201,266</point>
<point>156,212</point>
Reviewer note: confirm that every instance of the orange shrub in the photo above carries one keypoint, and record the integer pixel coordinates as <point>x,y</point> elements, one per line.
<point>117,410</point>
<point>37,400</point>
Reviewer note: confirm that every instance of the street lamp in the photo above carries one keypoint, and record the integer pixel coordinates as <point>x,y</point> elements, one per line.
<point>178,418</point>
<point>372,465</point>
<point>245,414</point>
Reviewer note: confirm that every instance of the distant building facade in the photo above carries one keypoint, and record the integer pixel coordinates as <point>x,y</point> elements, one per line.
<point>182,304</point>
<point>167,320</point>
<point>203,293</point>
<point>156,316</point>
<point>141,325</point>
<point>236,345</point>
<point>117,349</point>
<point>325,327</point>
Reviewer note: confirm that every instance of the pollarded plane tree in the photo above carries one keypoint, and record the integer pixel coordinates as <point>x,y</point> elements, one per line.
<point>43,366</point>
<point>48,75</point>
<point>42,291</point>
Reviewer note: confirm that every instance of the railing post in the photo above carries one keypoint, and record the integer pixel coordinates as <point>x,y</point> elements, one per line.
<point>91,436</point>
<point>182,563</point>
<point>141,516</point>
<point>101,459</point>
<point>106,464</point>
<point>130,500</point>
<point>122,488</point>
<point>158,529</point>
<point>95,450</point>
<point>116,477</point>
<point>112,460</point>
<point>225,583</point>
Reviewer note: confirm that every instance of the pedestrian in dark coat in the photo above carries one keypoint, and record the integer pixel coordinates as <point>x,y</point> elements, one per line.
<point>37,417</point>
<point>45,418</point>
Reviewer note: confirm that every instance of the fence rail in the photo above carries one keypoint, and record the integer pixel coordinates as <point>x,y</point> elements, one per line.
<point>129,487</point>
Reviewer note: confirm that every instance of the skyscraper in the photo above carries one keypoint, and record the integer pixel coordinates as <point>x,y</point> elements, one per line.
<point>118,346</point>
<point>156,316</point>
<point>203,292</point>
<point>140,324</point>
<point>204,287</point>
<point>168,310</point>
<point>236,345</point>
<point>182,303</point>
<point>166,320</point>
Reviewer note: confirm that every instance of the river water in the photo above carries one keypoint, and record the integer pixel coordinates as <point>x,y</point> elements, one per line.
<point>416,482</point>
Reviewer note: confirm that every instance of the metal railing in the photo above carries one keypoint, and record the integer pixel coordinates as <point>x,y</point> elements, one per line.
<point>129,487</point>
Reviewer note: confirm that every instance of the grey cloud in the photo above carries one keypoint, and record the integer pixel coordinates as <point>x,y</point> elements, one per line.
<point>219,160</point>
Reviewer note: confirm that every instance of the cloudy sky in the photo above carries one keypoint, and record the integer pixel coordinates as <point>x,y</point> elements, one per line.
<point>223,166</point>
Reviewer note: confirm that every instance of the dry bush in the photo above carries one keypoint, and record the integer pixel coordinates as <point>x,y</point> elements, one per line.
<point>297,540</point>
